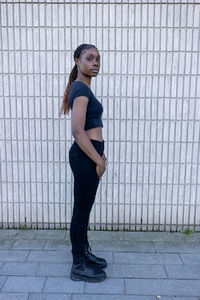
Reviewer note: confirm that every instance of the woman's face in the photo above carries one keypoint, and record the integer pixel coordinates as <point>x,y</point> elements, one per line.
<point>89,62</point>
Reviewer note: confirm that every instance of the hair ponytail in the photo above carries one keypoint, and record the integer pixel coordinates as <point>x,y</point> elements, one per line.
<point>65,106</point>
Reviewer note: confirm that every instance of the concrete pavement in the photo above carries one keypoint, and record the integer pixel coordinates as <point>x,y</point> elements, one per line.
<point>36,264</point>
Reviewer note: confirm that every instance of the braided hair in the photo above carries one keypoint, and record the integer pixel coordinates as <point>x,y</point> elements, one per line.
<point>73,75</point>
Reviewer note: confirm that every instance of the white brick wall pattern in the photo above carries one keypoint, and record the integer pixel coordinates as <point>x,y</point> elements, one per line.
<point>149,86</point>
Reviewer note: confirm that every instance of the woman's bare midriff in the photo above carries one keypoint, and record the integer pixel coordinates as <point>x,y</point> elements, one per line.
<point>95,133</point>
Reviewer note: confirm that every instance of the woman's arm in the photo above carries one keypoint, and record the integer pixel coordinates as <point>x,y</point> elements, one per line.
<point>78,132</point>
<point>85,144</point>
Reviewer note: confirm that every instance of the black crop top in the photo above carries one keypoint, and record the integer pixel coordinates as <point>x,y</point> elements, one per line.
<point>94,108</point>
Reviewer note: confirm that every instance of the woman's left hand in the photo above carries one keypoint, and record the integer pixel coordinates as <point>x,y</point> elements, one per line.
<point>105,159</point>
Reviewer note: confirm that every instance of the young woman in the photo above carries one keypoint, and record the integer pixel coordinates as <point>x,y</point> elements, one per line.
<point>86,157</point>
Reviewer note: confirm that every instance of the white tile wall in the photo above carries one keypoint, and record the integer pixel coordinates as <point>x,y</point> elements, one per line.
<point>149,87</point>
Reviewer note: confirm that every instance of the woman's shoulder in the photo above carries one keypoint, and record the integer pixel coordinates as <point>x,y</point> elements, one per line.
<point>80,87</point>
<point>80,83</point>
<point>77,89</point>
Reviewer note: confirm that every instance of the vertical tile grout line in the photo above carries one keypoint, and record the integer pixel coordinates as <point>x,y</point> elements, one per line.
<point>66,149</point>
<point>181,142</point>
<point>151,117</point>
<point>7,165</point>
<point>72,177</point>
<point>137,103</point>
<point>101,95</point>
<point>28,126</point>
<point>54,121</point>
<point>162,140</point>
<point>47,105</point>
<point>34,118</point>
<point>145,105</point>
<point>190,187</point>
<point>95,89</point>
<point>141,184</point>
<point>132,143</point>
<point>41,123</point>
<point>126,121</point>
<point>186,143</point>
<point>17,140</point>
<point>120,119</point>
<point>155,187</point>
<point>195,213</point>
<point>170,104</point>
<point>194,122</point>
<point>169,121</point>
<point>23,131</point>
<point>2,124</point>
<point>174,137</point>
<point>59,125</point>
<point>110,8</point>
<point>114,103</point>
<point>103,203</point>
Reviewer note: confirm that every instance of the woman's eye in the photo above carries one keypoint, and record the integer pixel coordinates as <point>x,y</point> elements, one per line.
<point>90,58</point>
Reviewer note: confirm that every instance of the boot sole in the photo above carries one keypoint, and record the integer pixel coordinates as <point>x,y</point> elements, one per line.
<point>77,277</point>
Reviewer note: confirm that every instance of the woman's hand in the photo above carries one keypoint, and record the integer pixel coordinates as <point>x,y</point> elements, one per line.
<point>104,158</point>
<point>101,167</point>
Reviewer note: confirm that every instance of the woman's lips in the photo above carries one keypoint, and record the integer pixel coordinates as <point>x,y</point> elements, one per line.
<point>94,70</point>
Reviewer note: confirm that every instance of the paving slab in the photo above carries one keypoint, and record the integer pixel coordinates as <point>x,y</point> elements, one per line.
<point>28,244</point>
<point>23,284</point>
<point>106,235</point>
<point>189,259</point>
<point>177,298</point>
<point>9,233</point>
<point>162,287</point>
<point>183,272</point>
<point>57,245</point>
<point>36,264</point>
<point>135,271</point>
<point>63,285</point>
<point>147,258</point>
<point>177,246</point>
<point>53,269</point>
<point>14,296</point>
<point>49,256</point>
<point>24,268</point>
<point>49,296</point>
<point>50,234</point>
<point>13,255</point>
<point>6,244</point>
<point>2,280</point>
<point>17,233</point>
<point>135,246</point>
<point>110,297</point>
<point>128,297</point>
<point>108,286</point>
<point>177,236</point>
<point>146,236</point>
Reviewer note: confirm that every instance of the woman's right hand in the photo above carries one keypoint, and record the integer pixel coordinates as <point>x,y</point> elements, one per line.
<point>100,168</point>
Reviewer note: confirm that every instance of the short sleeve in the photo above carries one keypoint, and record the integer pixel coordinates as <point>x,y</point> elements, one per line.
<point>79,89</point>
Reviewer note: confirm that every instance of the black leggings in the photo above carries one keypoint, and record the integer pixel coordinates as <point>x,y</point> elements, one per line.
<point>86,182</point>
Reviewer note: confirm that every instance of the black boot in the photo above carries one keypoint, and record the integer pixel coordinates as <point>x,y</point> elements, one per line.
<point>80,271</point>
<point>92,260</point>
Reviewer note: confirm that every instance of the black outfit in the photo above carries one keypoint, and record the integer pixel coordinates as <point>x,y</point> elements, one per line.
<point>86,179</point>
<point>94,108</point>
